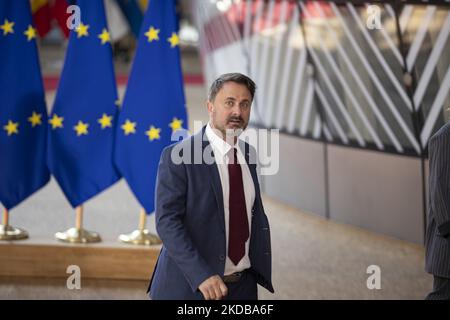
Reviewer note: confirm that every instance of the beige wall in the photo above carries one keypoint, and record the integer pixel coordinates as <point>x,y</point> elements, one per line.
<point>373,190</point>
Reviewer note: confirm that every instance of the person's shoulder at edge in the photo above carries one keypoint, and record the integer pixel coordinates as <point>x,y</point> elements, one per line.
<point>443,131</point>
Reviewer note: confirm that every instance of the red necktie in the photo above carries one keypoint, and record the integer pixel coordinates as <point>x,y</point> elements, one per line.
<point>238,224</point>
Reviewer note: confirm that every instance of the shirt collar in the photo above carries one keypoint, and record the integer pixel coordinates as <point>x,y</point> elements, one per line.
<point>217,142</point>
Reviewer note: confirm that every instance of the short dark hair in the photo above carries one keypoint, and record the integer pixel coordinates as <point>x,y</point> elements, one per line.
<point>231,77</point>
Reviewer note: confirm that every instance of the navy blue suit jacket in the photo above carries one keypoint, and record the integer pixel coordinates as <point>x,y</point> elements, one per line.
<point>190,221</point>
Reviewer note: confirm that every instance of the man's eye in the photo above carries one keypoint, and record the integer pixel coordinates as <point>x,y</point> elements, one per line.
<point>229,103</point>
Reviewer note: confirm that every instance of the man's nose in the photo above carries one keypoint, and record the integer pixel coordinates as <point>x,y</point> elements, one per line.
<point>236,111</point>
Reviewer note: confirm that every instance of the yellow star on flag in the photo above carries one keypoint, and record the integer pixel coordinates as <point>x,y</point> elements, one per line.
<point>56,122</point>
<point>174,40</point>
<point>129,127</point>
<point>81,128</point>
<point>105,36</point>
<point>153,133</point>
<point>30,33</point>
<point>35,119</point>
<point>176,124</point>
<point>7,27</point>
<point>152,34</point>
<point>82,30</point>
<point>105,121</point>
<point>12,127</point>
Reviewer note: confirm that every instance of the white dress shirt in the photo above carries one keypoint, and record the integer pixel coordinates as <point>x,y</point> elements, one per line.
<point>221,149</point>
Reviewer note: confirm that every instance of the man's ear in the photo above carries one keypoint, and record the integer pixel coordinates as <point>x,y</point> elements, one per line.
<point>209,105</point>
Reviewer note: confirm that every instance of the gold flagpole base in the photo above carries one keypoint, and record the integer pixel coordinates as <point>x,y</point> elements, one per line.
<point>140,237</point>
<point>74,235</point>
<point>8,232</point>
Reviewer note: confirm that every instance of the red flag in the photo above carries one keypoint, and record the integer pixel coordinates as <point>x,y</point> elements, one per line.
<point>59,13</point>
<point>47,11</point>
<point>42,16</point>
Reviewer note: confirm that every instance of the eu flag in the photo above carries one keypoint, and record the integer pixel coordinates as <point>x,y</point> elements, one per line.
<point>81,125</point>
<point>23,114</point>
<point>154,104</point>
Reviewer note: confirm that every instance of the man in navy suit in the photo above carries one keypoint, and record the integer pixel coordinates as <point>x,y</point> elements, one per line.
<point>209,213</point>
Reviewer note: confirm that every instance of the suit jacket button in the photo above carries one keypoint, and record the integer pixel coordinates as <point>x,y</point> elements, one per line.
<point>222,257</point>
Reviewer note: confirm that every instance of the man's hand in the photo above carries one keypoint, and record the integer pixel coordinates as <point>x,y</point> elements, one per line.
<point>213,288</point>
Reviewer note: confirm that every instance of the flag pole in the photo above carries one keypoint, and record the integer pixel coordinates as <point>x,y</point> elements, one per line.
<point>79,217</point>
<point>78,234</point>
<point>141,236</point>
<point>8,232</point>
<point>5,217</point>
<point>142,220</point>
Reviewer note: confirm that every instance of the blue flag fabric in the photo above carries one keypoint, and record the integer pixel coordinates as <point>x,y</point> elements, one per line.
<point>23,115</point>
<point>133,13</point>
<point>81,126</point>
<point>154,103</point>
